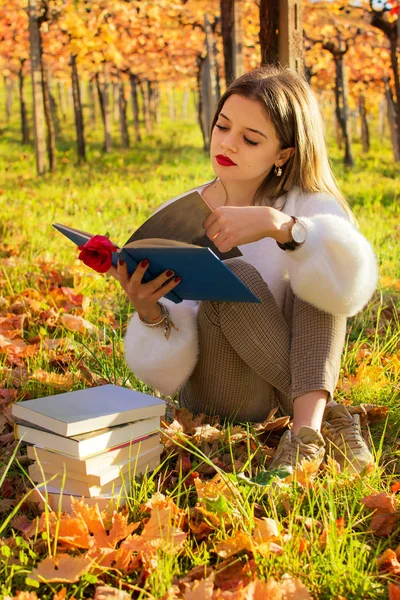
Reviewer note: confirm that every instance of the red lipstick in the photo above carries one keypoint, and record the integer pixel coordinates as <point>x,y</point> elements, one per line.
<point>224,161</point>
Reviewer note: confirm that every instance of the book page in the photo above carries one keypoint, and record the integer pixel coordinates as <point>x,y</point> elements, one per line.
<point>182,221</point>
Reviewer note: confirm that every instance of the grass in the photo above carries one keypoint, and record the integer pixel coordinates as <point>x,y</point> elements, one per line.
<point>114,193</point>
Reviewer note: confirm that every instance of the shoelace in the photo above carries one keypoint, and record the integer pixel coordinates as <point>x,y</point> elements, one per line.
<point>296,448</point>
<point>345,432</point>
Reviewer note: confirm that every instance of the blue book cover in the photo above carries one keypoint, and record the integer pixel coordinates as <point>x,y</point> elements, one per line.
<point>174,238</point>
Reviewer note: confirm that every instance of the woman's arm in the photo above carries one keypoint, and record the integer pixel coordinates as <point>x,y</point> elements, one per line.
<point>164,364</point>
<point>335,269</point>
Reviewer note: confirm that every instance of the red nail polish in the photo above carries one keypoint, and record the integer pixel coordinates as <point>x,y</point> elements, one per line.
<point>169,273</point>
<point>121,262</point>
<point>177,279</point>
<point>144,262</point>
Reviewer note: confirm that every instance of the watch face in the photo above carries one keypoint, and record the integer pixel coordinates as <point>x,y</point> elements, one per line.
<point>299,232</point>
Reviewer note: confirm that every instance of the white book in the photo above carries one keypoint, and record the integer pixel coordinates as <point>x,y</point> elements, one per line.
<point>129,466</point>
<point>97,464</point>
<point>74,486</point>
<point>51,498</point>
<point>86,444</point>
<point>89,409</point>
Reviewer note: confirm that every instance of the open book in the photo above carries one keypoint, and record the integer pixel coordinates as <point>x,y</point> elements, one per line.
<point>174,238</point>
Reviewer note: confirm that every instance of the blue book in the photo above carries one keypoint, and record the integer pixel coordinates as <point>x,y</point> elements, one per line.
<point>204,276</point>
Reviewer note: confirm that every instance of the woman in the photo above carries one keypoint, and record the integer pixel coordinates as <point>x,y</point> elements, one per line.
<point>274,197</point>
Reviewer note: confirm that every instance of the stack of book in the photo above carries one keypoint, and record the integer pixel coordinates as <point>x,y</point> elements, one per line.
<point>89,443</point>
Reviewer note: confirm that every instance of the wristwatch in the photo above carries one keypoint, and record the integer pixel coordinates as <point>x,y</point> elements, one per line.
<point>298,233</point>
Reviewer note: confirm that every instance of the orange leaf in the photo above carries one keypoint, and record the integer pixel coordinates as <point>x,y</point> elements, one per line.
<point>106,592</point>
<point>77,323</point>
<point>62,381</point>
<point>293,589</point>
<point>388,563</point>
<point>65,569</point>
<point>202,589</point>
<point>233,545</point>
<point>385,516</point>
<point>394,591</point>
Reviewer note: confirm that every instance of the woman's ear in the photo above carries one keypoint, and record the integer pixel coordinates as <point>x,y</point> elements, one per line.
<point>284,155</point>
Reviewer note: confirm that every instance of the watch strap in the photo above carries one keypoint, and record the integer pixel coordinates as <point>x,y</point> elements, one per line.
<point>291,244</point>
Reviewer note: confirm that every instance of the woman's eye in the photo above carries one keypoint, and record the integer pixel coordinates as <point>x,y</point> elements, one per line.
<point>246,140</point>
<point>249,142</point>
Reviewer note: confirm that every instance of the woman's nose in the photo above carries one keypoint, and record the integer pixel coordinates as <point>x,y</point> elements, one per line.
<point>229,143</point>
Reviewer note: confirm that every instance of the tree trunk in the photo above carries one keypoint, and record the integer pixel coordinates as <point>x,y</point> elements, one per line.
<point>92,104</point>
<point>22,100</point>
<point>8,83</point>
<point>364,124</point>
<point>122,113</point>
<point>200,103</point>
<point>103,92</point>
<point>115,102</point>
<point>382,118</point>
<point>185,101</point>
<point>269,23</point>
<point>135,105</point>
<point>61,98</point>
<point>78,112</point>
<point>171,101</point>
<point>208,85</point>
<point>37,88</point>
<point>391,113</point>
<point>227,25</point>
<point>342,107</point>
<point>394,42</point>
<point>144,88</point>
<point>51,135</point>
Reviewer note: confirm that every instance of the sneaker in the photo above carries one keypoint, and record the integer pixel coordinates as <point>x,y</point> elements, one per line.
<point>308,445</point>
<point>342,433</point>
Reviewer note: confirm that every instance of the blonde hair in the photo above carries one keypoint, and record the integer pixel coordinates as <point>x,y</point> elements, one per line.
<point>290,104</point>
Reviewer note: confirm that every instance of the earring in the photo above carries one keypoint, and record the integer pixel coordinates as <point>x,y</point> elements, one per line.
<point>278,171</point>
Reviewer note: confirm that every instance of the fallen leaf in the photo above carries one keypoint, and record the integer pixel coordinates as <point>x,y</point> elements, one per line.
<point>106,592</point>
<point>65,569</point>
<point>202,589</point>
<point>388,562</point>
<point>77,323</point>
<point>394,591</point>
<point>385,515</point>
<point>62,381</point>
<point>293,589</point>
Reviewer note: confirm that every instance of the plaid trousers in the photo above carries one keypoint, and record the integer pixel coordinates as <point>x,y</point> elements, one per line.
<point>254,357</point>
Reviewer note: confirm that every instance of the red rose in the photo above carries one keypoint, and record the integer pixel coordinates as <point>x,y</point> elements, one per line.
<point>97,253</point>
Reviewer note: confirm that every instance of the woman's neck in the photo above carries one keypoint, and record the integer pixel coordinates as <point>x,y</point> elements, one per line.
<point>239,193</point>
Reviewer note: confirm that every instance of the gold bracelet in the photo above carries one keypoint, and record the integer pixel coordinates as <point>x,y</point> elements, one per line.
<point>165,321</point>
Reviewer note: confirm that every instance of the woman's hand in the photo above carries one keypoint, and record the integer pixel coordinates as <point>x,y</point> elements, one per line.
<point>230,226</point>
<point>144,296</point>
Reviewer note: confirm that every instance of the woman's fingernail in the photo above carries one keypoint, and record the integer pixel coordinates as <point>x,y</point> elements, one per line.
<point>144,262</point>
<point>169,273</point>
<point>177,279</point>
<point>121,262</point>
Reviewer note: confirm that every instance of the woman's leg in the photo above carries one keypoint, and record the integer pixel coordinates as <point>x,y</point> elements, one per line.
<point>248,360</point>
<point>243,369</point>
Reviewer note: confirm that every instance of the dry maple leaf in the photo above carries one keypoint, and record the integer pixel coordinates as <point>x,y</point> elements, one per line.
<point>62,381</point>
<point>92,518</point>
<point>394,591</point>
<point>388,563</point>
<point>304,472</point>
<point>240,541</point>
<point>77,323</point>
<point>65,569</point>
<point>293,589</point>
<point>202,589</point>
<point>385,516</point>
<point>106,592</point>
<point>158,532</point>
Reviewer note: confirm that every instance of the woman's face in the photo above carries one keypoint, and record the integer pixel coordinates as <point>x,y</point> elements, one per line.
<point>245,135</point>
